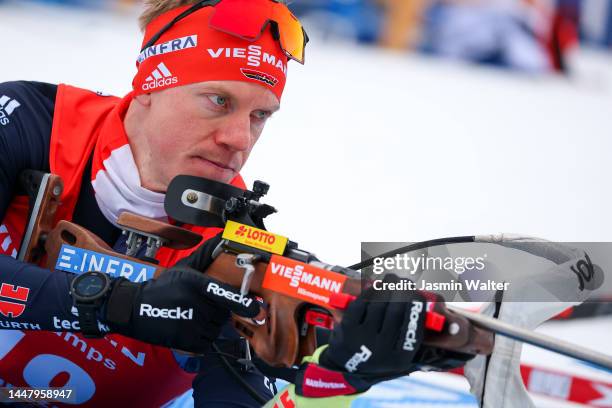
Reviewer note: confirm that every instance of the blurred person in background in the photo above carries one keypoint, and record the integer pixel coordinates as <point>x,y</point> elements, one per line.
<point>208,79</point>
<point>402,27</point>
<point>531,36</point>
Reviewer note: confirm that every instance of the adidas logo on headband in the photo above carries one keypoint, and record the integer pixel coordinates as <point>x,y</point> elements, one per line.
<point>196,50</point>
<point>161,76</point>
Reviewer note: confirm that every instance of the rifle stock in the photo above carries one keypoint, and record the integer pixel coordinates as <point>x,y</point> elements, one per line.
<point>44,190</point>
<point>286,337</point>
<point>281,342</point>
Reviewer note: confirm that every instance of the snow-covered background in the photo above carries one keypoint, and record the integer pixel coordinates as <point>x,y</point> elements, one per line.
<point>378,146</point>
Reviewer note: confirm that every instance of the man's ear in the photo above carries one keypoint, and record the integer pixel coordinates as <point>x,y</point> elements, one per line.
<point>144,99</point>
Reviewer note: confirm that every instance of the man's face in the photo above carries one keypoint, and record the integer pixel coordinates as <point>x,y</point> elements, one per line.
<point>206,129</point>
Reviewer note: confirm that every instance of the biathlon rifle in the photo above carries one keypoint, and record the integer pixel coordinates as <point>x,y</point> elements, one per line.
<point>301,293</point>
<point>304,293</point>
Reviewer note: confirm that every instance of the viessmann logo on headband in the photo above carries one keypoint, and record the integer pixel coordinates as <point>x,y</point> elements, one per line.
<point>253,54</point>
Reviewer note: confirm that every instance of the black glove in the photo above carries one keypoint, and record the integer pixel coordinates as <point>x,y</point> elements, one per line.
<point>437,359</point>
<point>182,309</point>
<point>377,340</point>
<point>202,258</point>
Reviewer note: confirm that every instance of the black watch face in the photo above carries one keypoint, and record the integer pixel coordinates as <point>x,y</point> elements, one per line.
<point>90,285</point>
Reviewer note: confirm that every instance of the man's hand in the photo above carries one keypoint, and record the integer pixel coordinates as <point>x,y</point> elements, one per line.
<point>376,341</point>
<point>182,309</point>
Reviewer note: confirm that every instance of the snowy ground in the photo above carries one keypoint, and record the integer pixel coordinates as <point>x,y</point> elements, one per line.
<point>376,146</point>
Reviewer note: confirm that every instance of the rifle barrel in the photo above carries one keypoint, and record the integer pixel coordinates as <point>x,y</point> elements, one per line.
<point>536,339</point>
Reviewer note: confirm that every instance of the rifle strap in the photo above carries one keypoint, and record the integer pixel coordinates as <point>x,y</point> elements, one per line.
<point>284,373</point>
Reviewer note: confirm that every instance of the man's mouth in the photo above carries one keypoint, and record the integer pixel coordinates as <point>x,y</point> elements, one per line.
<point>214,169</point>
<point>218,164</point>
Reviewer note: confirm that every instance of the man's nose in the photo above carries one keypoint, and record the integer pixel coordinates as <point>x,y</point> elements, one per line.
<point>235,132</point>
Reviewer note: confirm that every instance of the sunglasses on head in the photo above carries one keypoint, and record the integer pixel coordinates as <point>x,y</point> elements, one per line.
<point>248,19</point>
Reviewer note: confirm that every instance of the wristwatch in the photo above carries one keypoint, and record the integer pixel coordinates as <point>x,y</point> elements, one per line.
<point>89,290</point>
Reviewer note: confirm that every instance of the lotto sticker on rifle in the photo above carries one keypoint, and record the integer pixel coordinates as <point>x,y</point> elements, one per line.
<point>255,237</point>
<point>302,281</point>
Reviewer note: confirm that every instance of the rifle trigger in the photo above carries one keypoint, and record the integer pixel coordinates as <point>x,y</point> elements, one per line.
<point>245,261</point>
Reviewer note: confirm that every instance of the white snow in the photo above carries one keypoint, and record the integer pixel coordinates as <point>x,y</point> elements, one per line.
<point>372,145</point>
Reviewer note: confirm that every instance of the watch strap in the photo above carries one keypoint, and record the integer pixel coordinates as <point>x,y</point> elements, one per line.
<point>120,302</point>
<point>88,320</point>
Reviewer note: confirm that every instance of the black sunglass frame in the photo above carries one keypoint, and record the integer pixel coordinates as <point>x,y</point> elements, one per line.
<point>207,3</point>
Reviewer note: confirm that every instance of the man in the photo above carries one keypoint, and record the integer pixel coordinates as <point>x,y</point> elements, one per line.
<point>210,73</point>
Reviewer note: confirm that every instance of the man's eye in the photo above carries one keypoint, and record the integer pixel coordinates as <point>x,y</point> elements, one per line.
<point>218,100</point>
<point>261,115</point>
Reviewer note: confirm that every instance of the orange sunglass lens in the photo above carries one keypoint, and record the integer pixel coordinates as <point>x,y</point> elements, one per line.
<point>230,17</point>
<point>291,34</point>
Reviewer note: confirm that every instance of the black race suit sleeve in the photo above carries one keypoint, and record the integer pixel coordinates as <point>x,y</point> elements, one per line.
<point>26,117</point>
